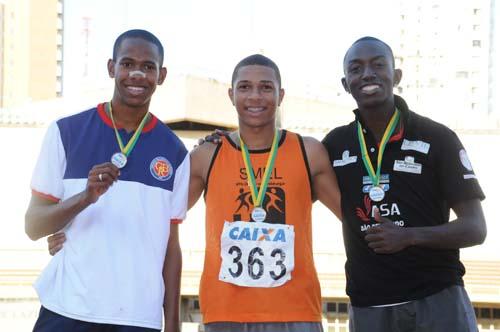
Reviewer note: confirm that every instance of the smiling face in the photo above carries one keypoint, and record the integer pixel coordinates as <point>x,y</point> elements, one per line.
<point>256,95</point>
<point>369,74</point>
<point>137,72</point>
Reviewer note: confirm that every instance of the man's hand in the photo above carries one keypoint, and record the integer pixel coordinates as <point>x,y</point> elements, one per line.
<point>100,178</point>
<point>55,243</point>
<point>214,137</point>
<point>386,237</point>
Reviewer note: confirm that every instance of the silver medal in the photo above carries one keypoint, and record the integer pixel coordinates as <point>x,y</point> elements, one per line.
<point>258,214</point>
<point>376,193</point>
<point>119,159</point>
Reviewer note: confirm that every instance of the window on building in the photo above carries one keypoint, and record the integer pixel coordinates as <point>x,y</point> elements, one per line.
<point>496,313</point>
<point>462,74</point>
<point>476,43</point>
<point>484,312</point>
<point>475,27</point>
<point>331,307</point>
<point>342,307</point>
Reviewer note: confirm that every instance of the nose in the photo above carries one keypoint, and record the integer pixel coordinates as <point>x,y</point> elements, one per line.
<point>368,73</point>
<point>255,94</point>
<point>137,74</point>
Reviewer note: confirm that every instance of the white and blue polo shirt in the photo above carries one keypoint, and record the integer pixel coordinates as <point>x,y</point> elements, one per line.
<point>110,268</point>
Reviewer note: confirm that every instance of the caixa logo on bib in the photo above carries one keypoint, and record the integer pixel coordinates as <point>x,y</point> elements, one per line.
<point>161,169</point>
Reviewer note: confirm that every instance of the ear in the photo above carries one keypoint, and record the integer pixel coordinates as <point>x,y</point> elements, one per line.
<point>344,84</point>
<point>398,74</point>
<point>281,96</point>
<point>231,95</point>
<point>162,76</point>
<point>111,68</point>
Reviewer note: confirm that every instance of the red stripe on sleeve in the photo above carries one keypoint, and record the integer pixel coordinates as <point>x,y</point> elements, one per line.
<point>46,196</point>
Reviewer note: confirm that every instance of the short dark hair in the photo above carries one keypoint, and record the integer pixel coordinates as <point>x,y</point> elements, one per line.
<point>142,34</point>
<point>369,38</point>
<point>258,60</point>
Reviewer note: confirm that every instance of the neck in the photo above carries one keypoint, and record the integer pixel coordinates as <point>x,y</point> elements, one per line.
<point>256,138</point>
<point>377,118</point>
<point>127,117</point>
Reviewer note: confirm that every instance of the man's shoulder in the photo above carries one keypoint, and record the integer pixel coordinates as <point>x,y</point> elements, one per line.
<point>78,117</point>
<point>339,133</point>
<point>424,126</point>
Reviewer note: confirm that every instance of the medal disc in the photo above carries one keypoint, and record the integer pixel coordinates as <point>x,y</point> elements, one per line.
<point>119,160</point>
<point>376,193</point>
<point>259,214</point>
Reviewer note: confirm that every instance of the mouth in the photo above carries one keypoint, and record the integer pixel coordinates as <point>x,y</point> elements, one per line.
<point>370,89</point>
<point>255,110</point>
<point>135,90</point>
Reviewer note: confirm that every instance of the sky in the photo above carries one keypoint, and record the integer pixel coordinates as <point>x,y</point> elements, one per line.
<point>307,39</point>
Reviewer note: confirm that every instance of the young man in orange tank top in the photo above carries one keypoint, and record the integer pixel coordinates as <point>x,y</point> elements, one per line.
<point>256,93</point>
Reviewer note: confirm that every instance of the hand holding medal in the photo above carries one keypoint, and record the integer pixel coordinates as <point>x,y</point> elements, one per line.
<point>100,178</point>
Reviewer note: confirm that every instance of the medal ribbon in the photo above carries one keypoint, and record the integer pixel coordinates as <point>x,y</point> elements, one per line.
<point>375,177</point>
<point>258,194</point>
<point>131,143</point>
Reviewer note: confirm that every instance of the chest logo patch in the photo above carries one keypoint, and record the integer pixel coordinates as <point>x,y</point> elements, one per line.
<point>419,146</point>
<point>346,159</point>
<point>161,169</point>
<point>408,165</point>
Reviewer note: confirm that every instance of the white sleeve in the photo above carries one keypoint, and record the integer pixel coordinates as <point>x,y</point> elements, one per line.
<point>180,192</point>
<point>47,179</point>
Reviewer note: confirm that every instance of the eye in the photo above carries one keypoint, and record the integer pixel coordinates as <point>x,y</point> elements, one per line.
<point>354,69</point>
<point>149,67</point>
<point>379,65</point>
<point>267,88</point>
<point>243,87</point>
<point>126,64</point>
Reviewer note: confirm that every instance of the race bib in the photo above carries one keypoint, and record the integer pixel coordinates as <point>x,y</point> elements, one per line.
<point>257,254</point>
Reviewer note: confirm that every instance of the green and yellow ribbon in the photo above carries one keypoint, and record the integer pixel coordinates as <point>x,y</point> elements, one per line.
<point>131,143</point>
<point>375,176</point>
<point>259,194</point>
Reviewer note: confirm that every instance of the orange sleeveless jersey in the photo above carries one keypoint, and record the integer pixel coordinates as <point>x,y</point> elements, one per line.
<point>287,200</point>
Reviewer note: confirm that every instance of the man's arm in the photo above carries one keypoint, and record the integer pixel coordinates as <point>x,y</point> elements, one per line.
<point>44,217</point>
<point>324,182</point>
<point>201,158</point>
<point>172,268</point>
<point>467,230</point>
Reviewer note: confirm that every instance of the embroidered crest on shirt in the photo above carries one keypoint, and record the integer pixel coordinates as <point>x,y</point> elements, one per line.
<point>464,159</point>
<point>161,169</point>
<point>346,159</point>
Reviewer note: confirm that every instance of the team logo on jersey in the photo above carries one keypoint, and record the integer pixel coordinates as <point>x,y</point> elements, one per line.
<point>465,160</point>
<point>161,169</point>
<point>273,204</point>
<point>364,213</point>
<point>387,210</point>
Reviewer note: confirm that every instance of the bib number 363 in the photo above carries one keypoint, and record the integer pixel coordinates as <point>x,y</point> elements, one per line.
<point>257,254</point>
